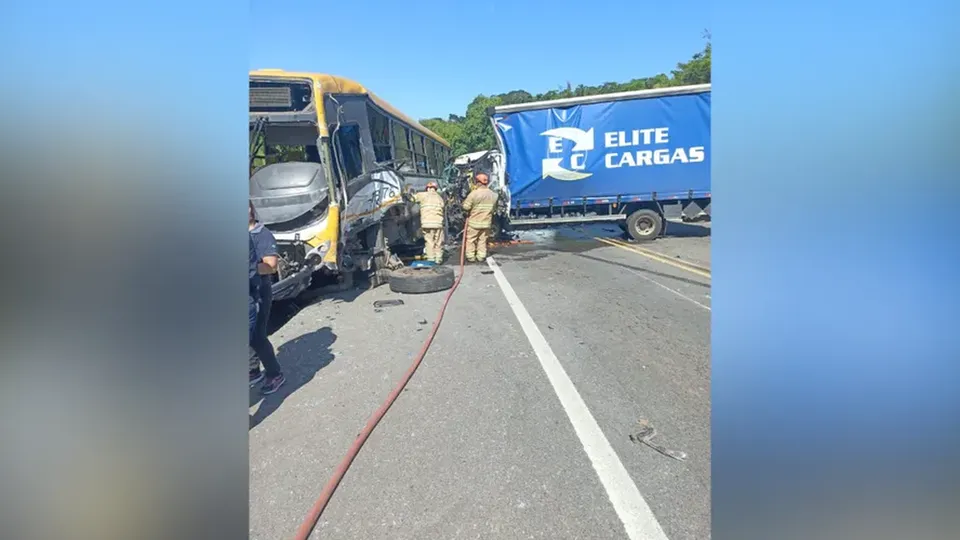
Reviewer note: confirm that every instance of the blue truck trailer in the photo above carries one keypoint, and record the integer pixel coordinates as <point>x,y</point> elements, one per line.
<point>624,157</point>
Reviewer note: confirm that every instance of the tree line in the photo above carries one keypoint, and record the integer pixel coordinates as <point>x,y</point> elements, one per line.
<point>473,132</point>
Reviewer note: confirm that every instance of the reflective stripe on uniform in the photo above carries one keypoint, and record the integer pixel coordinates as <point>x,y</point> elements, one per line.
<point>431,210</point>
<point>480,203</point>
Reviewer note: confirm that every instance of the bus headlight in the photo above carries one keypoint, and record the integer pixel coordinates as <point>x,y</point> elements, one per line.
<point>319,251</point>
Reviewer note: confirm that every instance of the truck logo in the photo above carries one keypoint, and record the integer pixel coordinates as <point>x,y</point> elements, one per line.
<point>582,143</point>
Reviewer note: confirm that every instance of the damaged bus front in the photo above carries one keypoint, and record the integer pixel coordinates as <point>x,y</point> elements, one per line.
<point>328,164</point>
<point>291,182</point>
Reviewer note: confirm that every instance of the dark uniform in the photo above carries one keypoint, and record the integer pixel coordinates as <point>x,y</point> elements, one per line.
<point>254,291</point>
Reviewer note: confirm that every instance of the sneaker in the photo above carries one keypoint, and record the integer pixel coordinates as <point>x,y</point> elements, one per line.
<point>273,384</point>
<point>255,376</point>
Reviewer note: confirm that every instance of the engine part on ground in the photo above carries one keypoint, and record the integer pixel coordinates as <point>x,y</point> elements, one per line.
<point>394,262</point>
<point>422,280</point>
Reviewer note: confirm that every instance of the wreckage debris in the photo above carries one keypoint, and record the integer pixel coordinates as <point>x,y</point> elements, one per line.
<point>645,436</point>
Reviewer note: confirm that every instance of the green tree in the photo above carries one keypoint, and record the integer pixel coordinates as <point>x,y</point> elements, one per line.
<point>449,130</point>
<point>477,129</point>
<point>697,69</point>
<point>516,96</point>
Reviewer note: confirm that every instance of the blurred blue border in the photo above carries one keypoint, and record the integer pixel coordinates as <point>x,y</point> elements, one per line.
<point>125,185</point>
<point>835,346</point>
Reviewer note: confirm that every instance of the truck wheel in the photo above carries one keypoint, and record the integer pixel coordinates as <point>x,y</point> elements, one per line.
<point>422,280</point>
<point>644,225</point>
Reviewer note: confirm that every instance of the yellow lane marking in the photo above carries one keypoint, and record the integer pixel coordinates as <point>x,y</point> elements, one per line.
<point>698,270</point>
<point>659,254</point>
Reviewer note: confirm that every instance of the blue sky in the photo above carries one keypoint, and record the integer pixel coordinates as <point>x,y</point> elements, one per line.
<point>433,59</point>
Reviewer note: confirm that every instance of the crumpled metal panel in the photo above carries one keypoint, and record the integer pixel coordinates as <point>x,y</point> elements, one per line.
<point>285,191</point>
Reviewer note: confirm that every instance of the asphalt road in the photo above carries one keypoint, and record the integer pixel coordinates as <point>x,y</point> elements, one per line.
<point>481,445</point>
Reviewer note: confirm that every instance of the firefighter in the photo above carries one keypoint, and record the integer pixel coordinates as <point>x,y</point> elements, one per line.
<point>479,205</point>
<point>431,221</point>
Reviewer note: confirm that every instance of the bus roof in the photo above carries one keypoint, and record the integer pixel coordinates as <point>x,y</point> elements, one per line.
<point>332,84</point>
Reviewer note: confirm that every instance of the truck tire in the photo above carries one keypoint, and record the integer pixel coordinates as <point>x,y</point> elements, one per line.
<point>644,225</point>
<point>422,280</point>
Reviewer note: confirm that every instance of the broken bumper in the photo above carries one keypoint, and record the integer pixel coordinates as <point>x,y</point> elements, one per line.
<point>291,286</point>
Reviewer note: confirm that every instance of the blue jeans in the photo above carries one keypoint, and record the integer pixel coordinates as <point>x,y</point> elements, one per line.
<point>259,317</point>
<point>252,315</point>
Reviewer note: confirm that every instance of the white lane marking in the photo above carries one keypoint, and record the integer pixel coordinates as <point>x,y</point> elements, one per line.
<point>678,293</point>
<point>631,508</point>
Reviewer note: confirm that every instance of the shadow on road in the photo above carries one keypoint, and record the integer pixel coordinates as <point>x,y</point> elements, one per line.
<point>646,271</point>
<point>676,229</point>
<point>282,312</point>
<point>301,359</point>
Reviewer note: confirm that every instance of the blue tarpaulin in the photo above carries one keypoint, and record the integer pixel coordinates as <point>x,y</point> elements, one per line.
<point>629,148</point>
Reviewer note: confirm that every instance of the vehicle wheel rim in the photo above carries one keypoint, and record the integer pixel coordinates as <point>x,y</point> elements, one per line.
<point>644,227</point>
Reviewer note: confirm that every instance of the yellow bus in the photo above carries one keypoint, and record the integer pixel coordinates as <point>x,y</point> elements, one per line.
<point>329,161</point>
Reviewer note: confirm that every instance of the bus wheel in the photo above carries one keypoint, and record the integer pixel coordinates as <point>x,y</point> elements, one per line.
<point>644,225</point>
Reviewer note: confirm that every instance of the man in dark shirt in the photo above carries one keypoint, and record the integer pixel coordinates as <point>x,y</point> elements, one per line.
<point>267,258</point>
<point>253,292</point>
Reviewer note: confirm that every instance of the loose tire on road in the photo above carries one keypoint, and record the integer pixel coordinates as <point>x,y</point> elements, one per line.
<point>644,225</point>
<point>422,280</point>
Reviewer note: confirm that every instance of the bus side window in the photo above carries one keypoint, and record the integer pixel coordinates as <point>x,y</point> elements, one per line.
<point>432,149</point>
<point>419,154</point>
<point>348,141</point>
<point>401,144</point>
<point>380,134</point>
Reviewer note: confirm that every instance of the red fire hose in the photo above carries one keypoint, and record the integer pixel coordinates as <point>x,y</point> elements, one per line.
<point>306,528</point>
